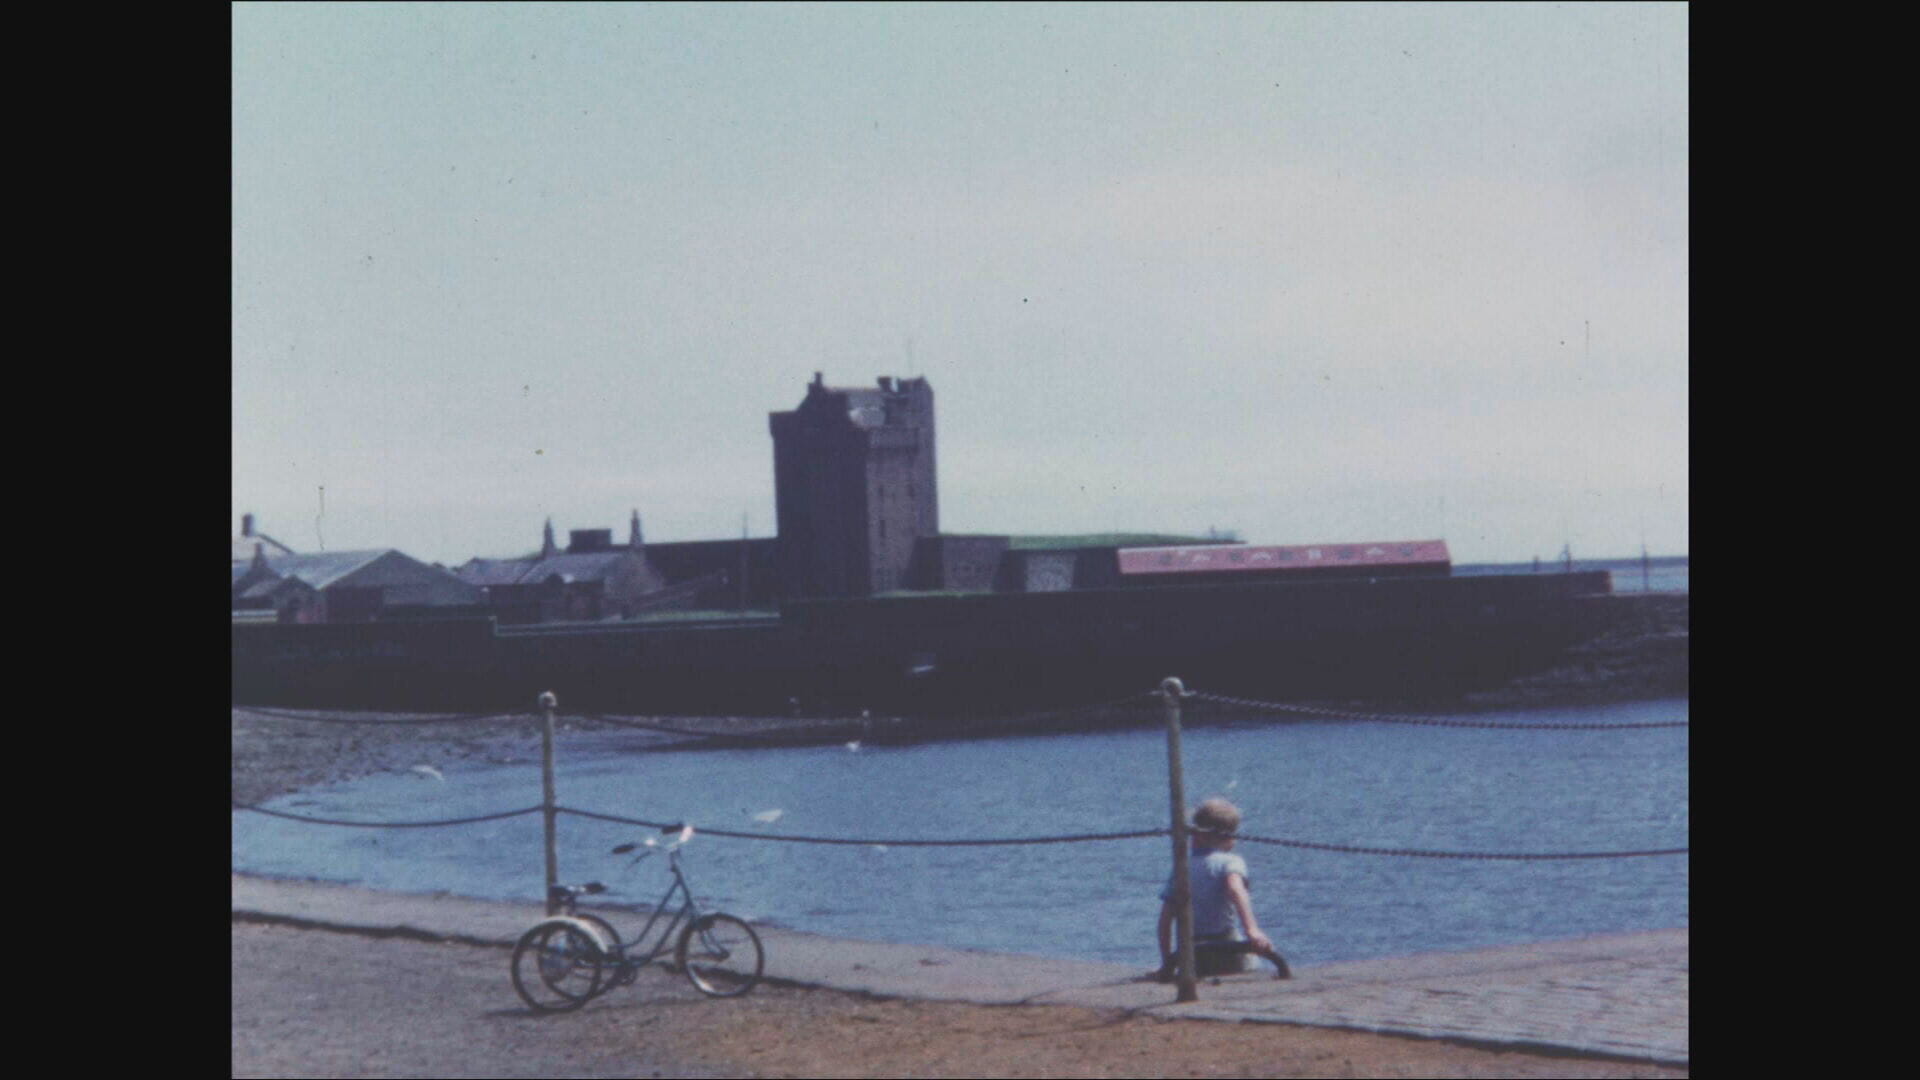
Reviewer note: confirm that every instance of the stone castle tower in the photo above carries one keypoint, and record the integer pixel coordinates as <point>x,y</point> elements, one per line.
<point>853,475</point>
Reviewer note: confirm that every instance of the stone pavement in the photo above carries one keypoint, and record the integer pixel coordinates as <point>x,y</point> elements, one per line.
<point>1621,996</point>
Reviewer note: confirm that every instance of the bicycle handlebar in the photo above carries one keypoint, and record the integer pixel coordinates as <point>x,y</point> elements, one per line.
<point>685,831</point>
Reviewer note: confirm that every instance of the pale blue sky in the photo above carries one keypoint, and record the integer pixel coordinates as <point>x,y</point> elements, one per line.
<point>1308,272</point>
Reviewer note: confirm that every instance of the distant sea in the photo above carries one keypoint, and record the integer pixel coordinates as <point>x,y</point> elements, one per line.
<point>1662,573</point>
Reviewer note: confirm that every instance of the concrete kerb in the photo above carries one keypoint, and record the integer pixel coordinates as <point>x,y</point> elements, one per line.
<point>1617,996</point>
<point>929,972</point>
<point>1621,996</point>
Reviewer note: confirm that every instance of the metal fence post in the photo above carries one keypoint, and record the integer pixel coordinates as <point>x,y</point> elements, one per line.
<point>1171,691</point>
<point>548,703</point>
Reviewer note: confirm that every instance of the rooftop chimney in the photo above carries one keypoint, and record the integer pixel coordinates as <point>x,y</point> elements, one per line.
<point>581,541</point>
<point>246,524</point>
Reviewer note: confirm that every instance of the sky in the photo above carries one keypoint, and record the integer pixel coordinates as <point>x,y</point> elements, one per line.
<point>1304,272</point>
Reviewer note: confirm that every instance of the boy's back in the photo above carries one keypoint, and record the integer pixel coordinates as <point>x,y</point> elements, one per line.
<point>1224,926</point>
<point>1213,915</point>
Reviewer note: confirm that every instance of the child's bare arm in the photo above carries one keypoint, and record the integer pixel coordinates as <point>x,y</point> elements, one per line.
<point>1243,905</point>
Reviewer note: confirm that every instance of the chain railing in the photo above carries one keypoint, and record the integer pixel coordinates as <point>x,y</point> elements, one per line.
<point>889,727</point>
<point>319,716</point>
<point>1412,718</point>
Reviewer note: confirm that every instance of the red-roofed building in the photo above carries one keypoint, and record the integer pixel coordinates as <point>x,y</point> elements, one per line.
<point>1297,562</point>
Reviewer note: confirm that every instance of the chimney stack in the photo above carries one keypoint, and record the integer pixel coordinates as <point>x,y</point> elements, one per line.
<point>584,541</point>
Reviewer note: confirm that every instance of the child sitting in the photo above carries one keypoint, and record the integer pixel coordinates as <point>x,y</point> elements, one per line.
<point>1218,880</point>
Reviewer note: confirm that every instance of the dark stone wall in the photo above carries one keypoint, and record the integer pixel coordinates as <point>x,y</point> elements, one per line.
<point>427,665</point>
<point>1390,637</point>
<point>1638,647</point>
<point>738,666</point>
<point>687,560</point>
<point>956,563</point>
<point>946,654</point>
<point>819,502</point>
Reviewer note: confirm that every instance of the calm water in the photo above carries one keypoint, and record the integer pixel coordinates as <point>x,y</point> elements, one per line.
<point>1371,785</point>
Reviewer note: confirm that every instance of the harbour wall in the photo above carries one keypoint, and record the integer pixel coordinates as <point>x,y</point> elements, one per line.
<point>933,654</point>
<point>1638,647</point>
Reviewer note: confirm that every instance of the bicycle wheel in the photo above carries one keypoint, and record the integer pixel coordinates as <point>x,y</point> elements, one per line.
<point>557,967</point>
<point>720,955</point>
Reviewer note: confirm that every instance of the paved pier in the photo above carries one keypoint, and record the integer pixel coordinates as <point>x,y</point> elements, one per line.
<point>1621,996</point>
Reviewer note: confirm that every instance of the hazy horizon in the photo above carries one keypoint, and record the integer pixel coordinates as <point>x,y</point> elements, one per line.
<point>1310,273</point>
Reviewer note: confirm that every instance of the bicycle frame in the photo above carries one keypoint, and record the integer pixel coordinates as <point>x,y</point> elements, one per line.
<point>688,910</point>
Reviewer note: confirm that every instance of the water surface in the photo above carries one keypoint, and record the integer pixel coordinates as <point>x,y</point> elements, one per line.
<point>1355,784</point>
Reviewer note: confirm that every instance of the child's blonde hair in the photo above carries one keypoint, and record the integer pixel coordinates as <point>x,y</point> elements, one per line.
<point>1217,815</point>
